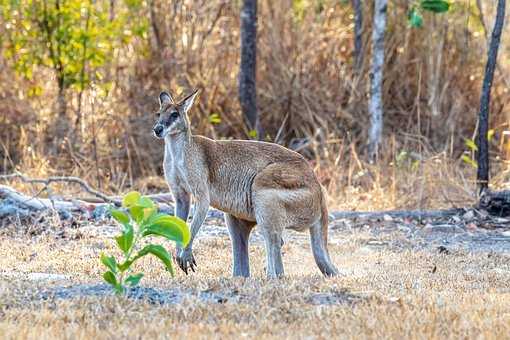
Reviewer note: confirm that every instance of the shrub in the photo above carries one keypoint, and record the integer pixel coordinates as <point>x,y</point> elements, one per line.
<point>140,219</point>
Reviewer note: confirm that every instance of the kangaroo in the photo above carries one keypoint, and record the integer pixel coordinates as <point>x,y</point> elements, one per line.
<point>252,182</point>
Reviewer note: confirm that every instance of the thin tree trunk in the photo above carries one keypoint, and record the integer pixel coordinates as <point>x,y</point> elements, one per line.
<point>62,122</point>
<point>78,122</point>
<point>247,71</point>
<point>155,28</point>
<point>358,35</point>
<point>483,126</point>
<point>376,76</point>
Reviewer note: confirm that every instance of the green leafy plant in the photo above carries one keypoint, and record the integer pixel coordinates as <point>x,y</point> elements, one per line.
<point>415,17</point>
<point>140,219</point>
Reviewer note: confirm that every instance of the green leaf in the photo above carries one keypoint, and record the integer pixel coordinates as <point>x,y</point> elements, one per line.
<point>471,144</point>
<point>133,280</point>
<point>125,240</point>
<point>131,199</point>
<point>110,278</point>
<point>109,262</point>
<point>125,265</point>
<point>490,134</point>
<point>436,6</point>
<point>170,227</point>
<point>469,161</point>
<point>160,253</point>
<point>415,18</point>
<point>145,202</point>
<point>136,213</point>
<point>119,216</point>
<point>148,213</point>
<point>253,133</point>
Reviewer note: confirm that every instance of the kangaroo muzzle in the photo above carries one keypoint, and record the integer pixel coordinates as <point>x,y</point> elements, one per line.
<point>158,130</point>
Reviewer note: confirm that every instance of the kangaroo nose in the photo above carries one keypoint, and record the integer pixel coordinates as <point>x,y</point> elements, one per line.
<point>158,130</point>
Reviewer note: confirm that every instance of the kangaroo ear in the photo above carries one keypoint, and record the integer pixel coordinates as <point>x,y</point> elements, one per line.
<point>165,99</point>
<point>187,102</point>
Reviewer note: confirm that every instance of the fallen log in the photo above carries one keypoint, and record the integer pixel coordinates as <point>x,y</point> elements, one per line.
<point>14,203</point>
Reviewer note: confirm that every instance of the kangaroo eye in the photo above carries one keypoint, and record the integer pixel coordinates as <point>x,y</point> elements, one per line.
<point>174,115</point>
<point>158,114</point>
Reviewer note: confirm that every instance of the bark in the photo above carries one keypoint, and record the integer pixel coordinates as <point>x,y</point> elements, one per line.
<point>483,126</point>
<point>358,35</point>
<point>376,76</point>
<point>247,71</point>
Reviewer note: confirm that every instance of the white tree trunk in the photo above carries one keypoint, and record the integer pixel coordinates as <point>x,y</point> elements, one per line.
<point>376,103</point>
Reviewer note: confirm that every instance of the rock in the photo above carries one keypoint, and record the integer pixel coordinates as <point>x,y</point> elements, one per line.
<point>468,216</point>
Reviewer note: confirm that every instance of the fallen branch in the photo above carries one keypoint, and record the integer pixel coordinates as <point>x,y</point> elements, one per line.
<point>65,179</point>
<point>23,205</point>
<point>16,203</point>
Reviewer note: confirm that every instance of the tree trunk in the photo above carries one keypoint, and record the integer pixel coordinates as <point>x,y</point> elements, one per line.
<point>376,76</point>
<point>483,126</point>
<point>62,125</point>
<point>358,35</point>
<point>247,71</point>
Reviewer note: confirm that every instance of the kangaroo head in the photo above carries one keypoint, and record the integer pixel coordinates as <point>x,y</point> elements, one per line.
<point>172,118</point>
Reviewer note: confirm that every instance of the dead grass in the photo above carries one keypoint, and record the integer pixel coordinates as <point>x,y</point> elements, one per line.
<point>397,293</point>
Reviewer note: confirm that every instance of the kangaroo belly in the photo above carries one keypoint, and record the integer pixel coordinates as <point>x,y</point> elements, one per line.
<point>233,195</point>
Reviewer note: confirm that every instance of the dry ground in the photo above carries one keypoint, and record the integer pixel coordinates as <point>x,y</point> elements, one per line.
<point>386,291</point>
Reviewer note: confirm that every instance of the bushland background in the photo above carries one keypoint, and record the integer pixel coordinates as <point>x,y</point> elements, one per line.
<point>79,82</point>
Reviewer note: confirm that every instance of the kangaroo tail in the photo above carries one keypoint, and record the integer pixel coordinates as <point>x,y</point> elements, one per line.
<point>319,240</point>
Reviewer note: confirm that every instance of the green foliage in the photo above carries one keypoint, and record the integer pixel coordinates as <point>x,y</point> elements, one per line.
<point>214,118</point>
<point>140,219</point>
<point>73,38</point>
<point>415,17</point>
<point>253,134</point>
<point>469,156</point>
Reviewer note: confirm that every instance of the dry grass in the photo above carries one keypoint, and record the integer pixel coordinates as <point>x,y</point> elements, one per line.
<point>396,293</point>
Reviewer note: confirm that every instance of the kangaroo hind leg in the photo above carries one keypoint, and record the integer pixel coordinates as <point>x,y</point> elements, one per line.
<point>239,234</point>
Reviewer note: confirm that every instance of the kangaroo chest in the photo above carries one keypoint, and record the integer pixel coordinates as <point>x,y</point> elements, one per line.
<point>229,188</point>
